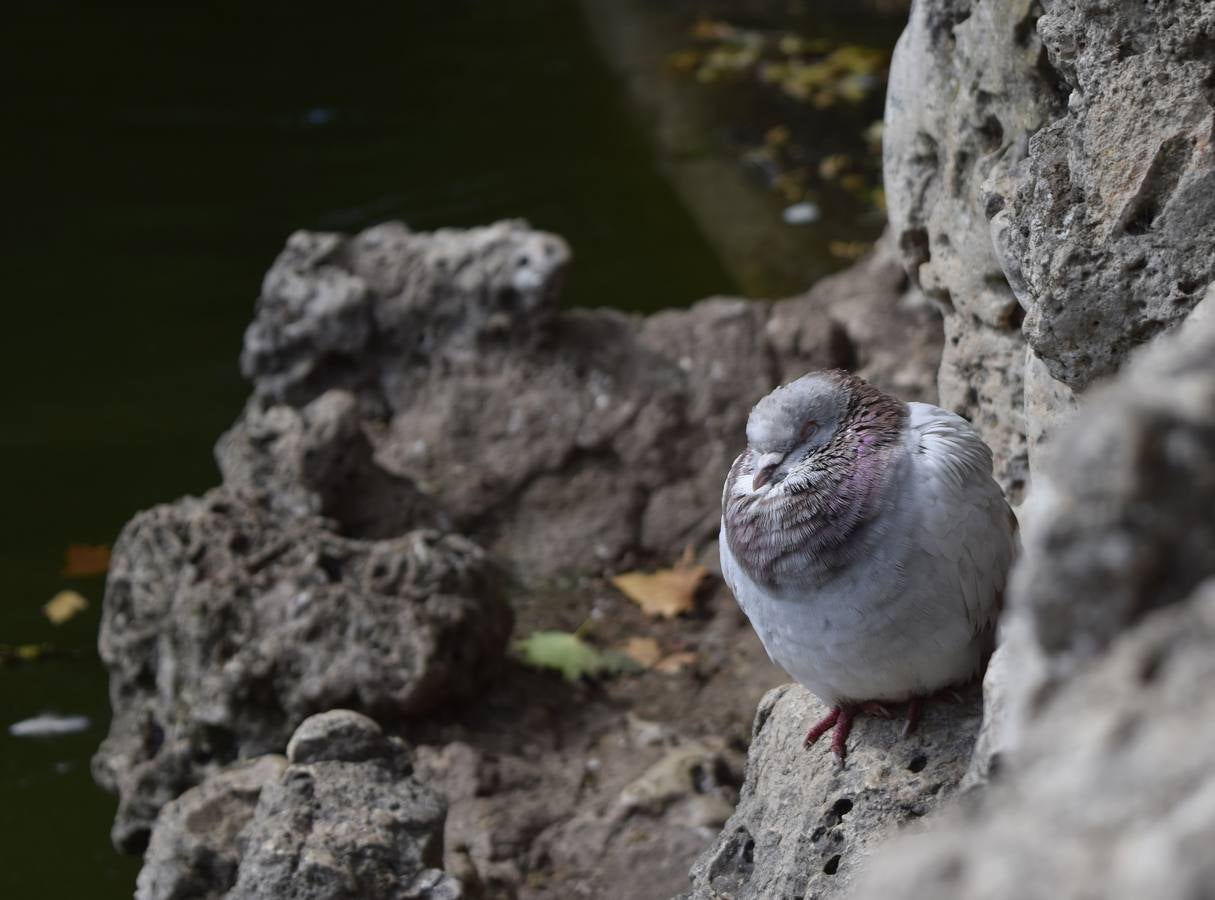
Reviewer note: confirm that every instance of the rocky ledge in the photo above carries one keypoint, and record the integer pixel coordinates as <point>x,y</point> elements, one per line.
<point>428,431</point>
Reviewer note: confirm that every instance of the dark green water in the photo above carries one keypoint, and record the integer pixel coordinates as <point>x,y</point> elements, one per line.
<point>156,160</point>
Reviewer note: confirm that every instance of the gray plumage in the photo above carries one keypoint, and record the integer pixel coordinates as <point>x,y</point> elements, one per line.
<point>866,541</point>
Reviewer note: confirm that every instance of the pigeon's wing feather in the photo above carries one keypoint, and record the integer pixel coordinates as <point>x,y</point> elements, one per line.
<point>965,522</point>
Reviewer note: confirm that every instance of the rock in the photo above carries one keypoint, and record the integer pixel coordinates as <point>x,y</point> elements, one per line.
<point>348,823</point>
<point>341,829</point>
<point>564,442</point>
<point>498,805</point>
<point>1054,168</point>
<point>1142,717</point>
<point>317,461</point>
<point>802,828</point>
<point>1124,522</point>
<point>968,84</point>
<point>639,843</point>
<point>195,849</point>
<point>1113,610</point>
<point>1115,201</point>
<point>225,626</point>
<point>339,735</point>
<point>332,307</point>
<point>698,775</point>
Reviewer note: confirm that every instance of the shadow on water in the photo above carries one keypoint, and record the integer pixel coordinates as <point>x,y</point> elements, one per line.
<point>156,161</point>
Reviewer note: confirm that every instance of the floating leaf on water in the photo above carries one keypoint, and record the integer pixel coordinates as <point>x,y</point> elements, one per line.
<point>873,134</point>
<point>64,606</point>
<point>24,652</point>
<point>792,187</point>
<point>684,61</point>
<point>777,136</point>
<point>830,167</point>
<point>773,73</point>
<point>854,58</point>
<point>84,560</point>
<point>791,45</point>
<point>853,182</point>
<point>710,30</point>
<point>853,87</point>
<point>848,249</point>
<point>642,650</point>
<point>665,593</point>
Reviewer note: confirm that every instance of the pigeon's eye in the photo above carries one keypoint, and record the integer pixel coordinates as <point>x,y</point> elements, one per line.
<point>807,430</point>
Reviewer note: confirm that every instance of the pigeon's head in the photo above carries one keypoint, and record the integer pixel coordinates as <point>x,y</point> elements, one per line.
<point>796,419</point>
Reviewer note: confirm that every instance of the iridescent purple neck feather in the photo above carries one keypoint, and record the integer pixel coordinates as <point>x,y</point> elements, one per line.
<point>820,514</point>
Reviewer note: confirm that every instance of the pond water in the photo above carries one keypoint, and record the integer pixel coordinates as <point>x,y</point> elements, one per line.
<point>157,159</point>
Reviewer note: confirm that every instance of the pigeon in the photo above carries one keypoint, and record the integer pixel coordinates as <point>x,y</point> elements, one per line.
<point>867,543</point>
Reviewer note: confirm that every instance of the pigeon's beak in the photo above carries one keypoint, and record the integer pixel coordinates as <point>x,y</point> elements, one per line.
<point>765,469</point>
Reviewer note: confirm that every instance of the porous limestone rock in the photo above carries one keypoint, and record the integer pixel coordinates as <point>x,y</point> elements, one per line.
<point>803,827</point>
<point>225,626</point>
<point>344,820</point>
<point>563,441</point>
<point>1114,204</point>
<point>1049,171</point>
<point>968,84</point>
<point>1111,792</point>
<point>195,849</point>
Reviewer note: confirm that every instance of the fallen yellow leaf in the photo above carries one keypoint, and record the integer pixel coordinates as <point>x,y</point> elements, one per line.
<point>831,167</point>
<point>23,652</point>
<point>63,606</point>
<point>665,593</point>
<point>848,249</point>
<point>777,135</point>
<point>684,61</point>
<point>642,650</point>
<point>675,662</point>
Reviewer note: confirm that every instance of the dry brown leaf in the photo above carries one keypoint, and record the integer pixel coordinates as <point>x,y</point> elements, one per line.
<point>665,593</point>
<point>83,560</point>
<point>642,650</point>
<point>675,662</point>
<point>63,606</point>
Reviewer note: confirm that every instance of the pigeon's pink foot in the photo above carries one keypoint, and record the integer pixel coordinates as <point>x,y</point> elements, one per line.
<point>822,726</point>
<point>839,723</point>
<point>839,738</point>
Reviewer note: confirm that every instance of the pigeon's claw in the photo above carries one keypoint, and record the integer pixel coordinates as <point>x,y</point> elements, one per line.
<point>839,738</point>
<point>839,723</point>
<point>822,726</point>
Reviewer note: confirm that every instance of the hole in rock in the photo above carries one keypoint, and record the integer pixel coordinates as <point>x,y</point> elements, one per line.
<point>917,764</point>
<point>331,566</point>
<point>832,866</point>
<point>842,807</point>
